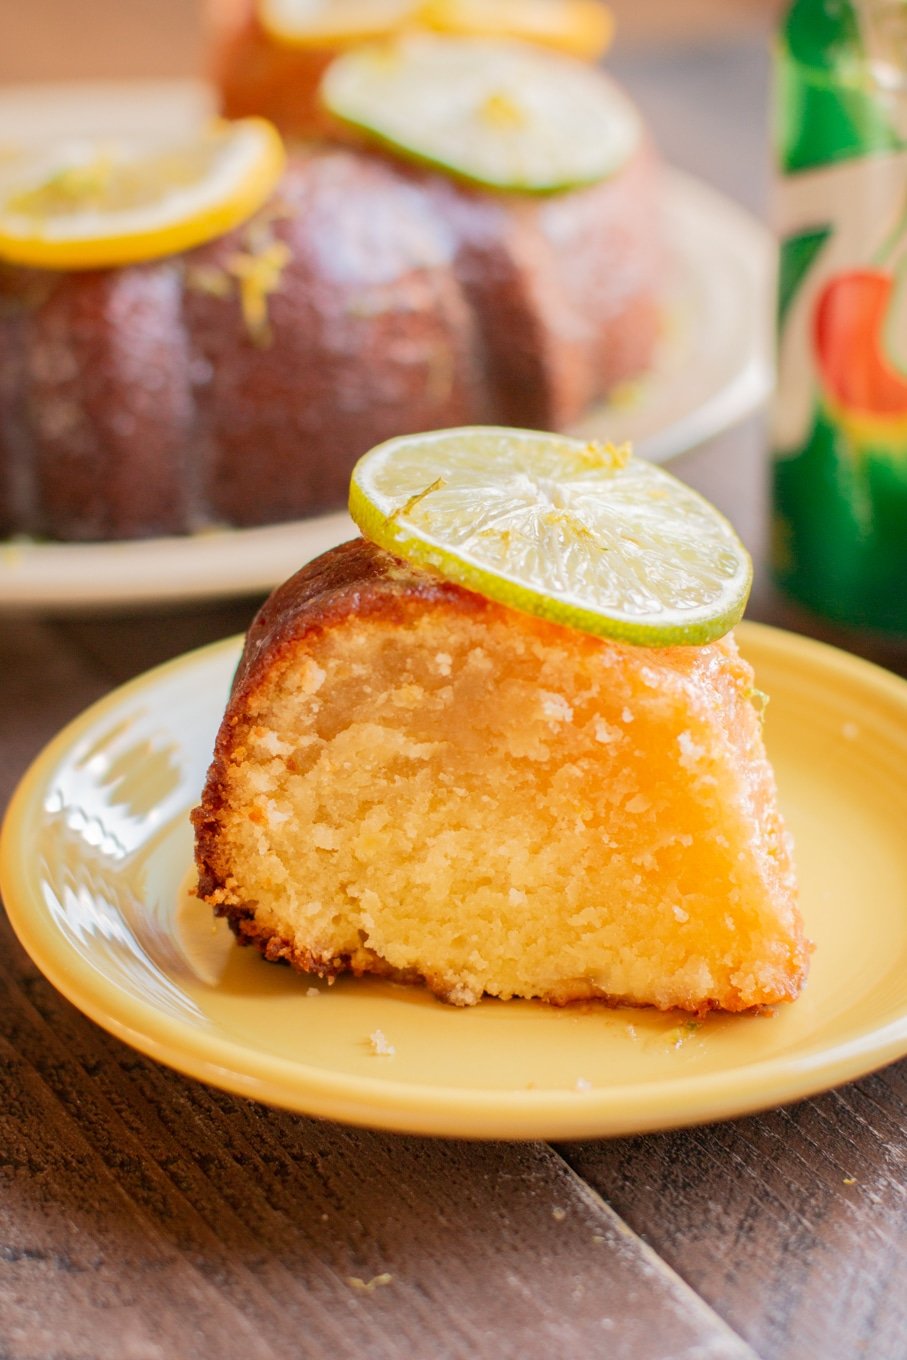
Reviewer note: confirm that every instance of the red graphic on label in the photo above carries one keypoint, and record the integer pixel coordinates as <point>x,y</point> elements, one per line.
<point>849,337</point>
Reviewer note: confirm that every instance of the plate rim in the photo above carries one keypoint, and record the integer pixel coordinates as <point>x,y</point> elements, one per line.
<point>224,563</point>
<point>378,1102</point>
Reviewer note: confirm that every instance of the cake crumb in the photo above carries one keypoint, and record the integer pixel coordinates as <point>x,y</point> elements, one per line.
<point>516,897</point>
<point>555,707</point>
<point>597,1237</point>
<point>582,1084</point>
<point>443,661</point>
<point>368,1286</point>
<point>313,991</point>
<point>558,1214</point>
<point>380,1046</point>
<point>849,1180</point>
<point>691,752</point>
<point>604,732</point>
<point>678,1036</point>
<point>680,915</point>
<point>325,837</point>
<point>311,676</point>
<point>627,715</point>
<point>632,1031</point>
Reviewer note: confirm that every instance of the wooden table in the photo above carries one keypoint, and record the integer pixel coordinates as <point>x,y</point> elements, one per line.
<point>145,1217</point>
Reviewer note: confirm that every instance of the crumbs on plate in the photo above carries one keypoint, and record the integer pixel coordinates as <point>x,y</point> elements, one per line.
<point>379,1044</point>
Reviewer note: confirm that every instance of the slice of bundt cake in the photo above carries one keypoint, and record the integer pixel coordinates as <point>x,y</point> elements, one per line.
<point>414,781</point>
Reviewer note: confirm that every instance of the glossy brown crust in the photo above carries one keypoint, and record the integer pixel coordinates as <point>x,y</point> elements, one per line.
<point>141,401</point>
<point>355,579</point>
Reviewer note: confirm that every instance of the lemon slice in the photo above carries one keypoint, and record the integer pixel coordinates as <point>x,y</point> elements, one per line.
<point>581,27</point>
<point>333,23</point>
<point>500,114</point>
<point>92,204</point>
<point>579,533</point>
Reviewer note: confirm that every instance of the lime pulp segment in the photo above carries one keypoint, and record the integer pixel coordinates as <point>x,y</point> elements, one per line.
<point>576,532</point>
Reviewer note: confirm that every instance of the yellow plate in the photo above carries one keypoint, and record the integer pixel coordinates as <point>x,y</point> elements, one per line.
<point>95,858</point>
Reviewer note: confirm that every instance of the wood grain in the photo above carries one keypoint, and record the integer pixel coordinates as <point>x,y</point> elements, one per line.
<point>146,1215</point>
<point>794,1222</point>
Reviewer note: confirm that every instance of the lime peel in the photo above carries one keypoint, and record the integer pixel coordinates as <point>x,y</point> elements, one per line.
<point>577,533</point>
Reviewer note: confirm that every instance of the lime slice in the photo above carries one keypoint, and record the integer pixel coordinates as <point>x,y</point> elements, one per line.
<point>501,114</point>
<point>579,533</point>
<point>93,204</point>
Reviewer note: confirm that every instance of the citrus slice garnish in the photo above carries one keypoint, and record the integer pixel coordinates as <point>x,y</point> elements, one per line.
<point>92,204</point>
<point>504,115</point>
<point>580,533</point>
<point>333,23</point>
<point>581,27</point>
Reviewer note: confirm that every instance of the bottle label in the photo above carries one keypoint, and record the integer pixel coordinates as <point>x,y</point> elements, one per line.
<point>840,416</point>
<point>842,293</point>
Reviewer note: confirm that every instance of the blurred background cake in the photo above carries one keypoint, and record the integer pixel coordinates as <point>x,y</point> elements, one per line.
<point>236,382</point>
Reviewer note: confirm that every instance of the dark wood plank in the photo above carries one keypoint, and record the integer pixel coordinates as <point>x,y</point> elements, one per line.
<point>121,646</point>
<point>133,1184</point>
<point>792,1223</point>
<point>83,1272</point>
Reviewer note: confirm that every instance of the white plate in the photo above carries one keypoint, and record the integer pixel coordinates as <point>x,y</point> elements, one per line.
<point>714,368</point>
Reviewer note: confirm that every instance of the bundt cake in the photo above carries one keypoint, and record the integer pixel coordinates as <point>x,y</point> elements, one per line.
<point>237,383</point>
<point>414,781</point>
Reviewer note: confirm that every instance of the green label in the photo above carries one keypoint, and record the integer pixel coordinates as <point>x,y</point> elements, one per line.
<point>840,418</point>
<point>840,528</point>
<point>797,254</point>
<point>828,104</point>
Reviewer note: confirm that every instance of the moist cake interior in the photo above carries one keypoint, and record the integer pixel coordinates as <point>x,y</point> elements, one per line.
<point>499,805</point>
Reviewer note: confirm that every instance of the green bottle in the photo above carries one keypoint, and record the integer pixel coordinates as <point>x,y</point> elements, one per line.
<point>840,419</point>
